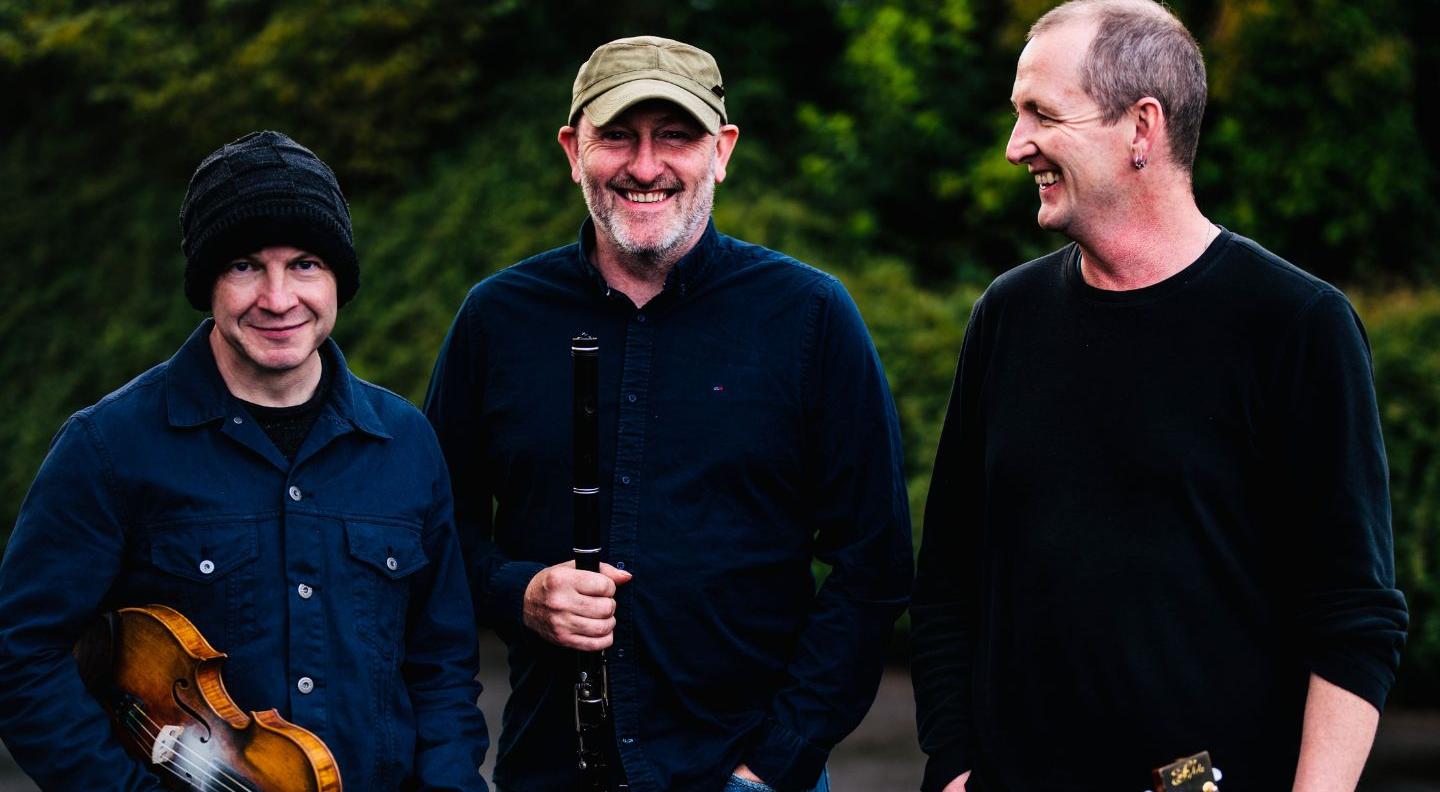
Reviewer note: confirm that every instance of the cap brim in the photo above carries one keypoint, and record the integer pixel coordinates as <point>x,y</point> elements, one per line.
<point>604,108</point>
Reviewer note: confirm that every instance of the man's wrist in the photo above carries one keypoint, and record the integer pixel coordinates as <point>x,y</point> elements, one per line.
<point>507,591</point>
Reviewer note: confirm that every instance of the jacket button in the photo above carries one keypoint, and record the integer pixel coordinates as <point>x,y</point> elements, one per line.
<point>207,566</point>
<point>630,397</point>
<point>391,564</point>
<point>237,419</point>
<point>304,591</point>
<point>305,685</point>
<point>294,493</point>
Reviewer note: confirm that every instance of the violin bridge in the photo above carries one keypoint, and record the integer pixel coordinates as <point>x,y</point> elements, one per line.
<point>165,742</point>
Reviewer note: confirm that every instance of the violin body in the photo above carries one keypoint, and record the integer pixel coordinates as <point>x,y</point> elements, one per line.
<point>160,681</point>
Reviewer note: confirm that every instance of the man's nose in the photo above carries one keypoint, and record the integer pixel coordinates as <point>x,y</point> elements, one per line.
<point>1020,147</point>
<point>646,166</point>
<point>276,295</point>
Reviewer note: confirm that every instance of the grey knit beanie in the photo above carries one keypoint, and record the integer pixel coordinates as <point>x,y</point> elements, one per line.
<point>261,190</point>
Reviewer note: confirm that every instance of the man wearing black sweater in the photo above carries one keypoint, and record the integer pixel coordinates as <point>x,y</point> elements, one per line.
<point>1159,521</point>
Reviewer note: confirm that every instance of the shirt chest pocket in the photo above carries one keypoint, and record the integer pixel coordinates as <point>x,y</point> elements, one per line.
<point>388,556</point>
<point>205,570</point>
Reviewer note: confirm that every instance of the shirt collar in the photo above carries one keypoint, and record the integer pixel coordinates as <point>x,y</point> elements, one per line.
<point>196,394</point>
<point>691,271</point>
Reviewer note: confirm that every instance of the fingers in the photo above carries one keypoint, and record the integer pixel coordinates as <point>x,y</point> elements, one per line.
<point>590,584</point>
<point>586,635</point>
<point>589,607</point>
<point>581,644</point>
<point>619,576</point>
<point>591,628</point>
<point>573,608</point>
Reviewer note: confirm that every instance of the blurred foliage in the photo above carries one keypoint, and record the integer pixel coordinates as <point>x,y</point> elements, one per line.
<point>872,145</point>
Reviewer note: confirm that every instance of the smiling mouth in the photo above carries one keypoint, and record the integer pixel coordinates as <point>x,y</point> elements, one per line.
<point>277,332</point>
<point>650,196</point>
<point>1046,179</point>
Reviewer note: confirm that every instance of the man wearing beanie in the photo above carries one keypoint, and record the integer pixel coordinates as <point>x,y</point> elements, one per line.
<point>746,429</point>
<point>298,516</point>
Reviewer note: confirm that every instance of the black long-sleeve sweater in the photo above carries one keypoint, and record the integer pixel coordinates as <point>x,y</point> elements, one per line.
<point>1154,513</point>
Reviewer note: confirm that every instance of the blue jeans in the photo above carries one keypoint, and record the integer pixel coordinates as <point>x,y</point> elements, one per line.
<point>738,784</point>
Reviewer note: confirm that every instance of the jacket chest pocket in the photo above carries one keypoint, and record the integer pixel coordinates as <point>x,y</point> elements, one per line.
<point>206,570</point>
<point>389,555</point>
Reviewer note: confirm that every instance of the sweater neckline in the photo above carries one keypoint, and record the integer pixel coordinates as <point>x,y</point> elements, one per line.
<point>1190,274</point>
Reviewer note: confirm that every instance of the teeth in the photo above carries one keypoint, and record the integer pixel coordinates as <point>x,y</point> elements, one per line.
<point>645,197</point>
<point>1046,178</point>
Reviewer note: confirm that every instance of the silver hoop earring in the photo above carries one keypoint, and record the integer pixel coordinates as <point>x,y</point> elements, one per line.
<point>1139,163</point>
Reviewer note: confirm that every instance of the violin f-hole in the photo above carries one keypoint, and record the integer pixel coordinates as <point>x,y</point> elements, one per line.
<point>182,684</point>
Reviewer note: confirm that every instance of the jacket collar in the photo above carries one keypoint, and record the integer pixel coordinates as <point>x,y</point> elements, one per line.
<point>196,394</point>
<point>690,272</point>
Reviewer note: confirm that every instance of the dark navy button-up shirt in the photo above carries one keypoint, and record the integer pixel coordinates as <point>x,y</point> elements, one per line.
<point>334,584</point>
<point>746,428</point>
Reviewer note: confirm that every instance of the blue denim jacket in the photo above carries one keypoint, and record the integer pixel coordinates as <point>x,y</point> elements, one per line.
<point>334,584</point>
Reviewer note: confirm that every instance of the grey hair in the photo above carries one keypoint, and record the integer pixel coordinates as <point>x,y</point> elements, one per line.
<point>1140,49</point>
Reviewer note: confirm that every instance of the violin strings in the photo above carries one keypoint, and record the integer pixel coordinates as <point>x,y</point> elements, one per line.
<point>206,776</point>
<point>198,763</point>
<point>212,770</point>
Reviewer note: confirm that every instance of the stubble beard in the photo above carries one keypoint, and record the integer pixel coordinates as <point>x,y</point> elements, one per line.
<point>648,258</point>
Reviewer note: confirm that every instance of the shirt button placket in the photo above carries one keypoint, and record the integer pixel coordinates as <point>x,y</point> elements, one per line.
<point>635,383</point>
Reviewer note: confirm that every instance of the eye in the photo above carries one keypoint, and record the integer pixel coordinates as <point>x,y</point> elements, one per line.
<point>614,135</point>
<point>240,265</point>
<point>306,265</point>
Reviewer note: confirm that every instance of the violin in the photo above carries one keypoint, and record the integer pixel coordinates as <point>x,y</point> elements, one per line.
<point>159,680</point>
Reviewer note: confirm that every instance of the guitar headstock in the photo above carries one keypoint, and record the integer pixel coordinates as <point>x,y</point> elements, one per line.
<point>1188,774</point>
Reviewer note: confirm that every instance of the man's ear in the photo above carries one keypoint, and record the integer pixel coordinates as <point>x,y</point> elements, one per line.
<point>724,145</point>
<point>569,139</point>
<point>1150,128</point>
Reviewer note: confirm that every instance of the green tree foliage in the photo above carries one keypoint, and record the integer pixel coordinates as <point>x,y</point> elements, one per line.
<point>872,145</point>
<point>1318,105</point>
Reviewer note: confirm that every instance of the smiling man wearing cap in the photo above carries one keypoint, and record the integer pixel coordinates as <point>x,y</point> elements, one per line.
<point>298,516</point>
<point>746,429</point>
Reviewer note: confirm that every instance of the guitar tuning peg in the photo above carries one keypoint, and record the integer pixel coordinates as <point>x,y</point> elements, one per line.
<point>1219,776</point>
<point>1209,786</point>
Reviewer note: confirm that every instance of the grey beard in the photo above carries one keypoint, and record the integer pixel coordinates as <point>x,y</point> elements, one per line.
<point>650,260</point>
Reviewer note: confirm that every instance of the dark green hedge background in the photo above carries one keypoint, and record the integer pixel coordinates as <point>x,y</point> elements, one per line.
<point>871,145</point>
